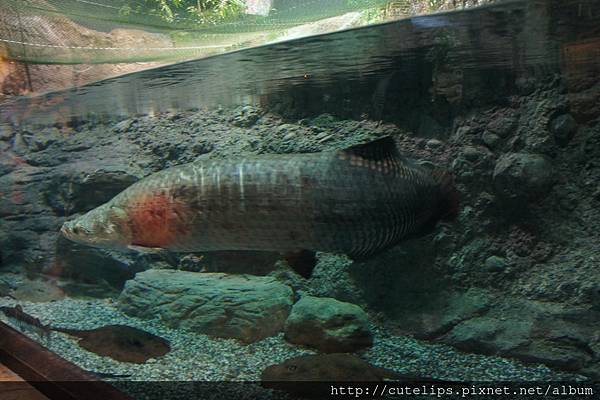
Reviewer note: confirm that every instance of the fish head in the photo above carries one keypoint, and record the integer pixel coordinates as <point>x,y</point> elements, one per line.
<point>105,227</point>
<point>290,370</point>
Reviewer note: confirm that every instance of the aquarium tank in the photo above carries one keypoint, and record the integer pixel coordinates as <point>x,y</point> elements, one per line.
<point>282,199</point>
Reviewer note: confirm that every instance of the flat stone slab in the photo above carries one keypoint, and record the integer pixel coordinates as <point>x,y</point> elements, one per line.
<point>244,307</point>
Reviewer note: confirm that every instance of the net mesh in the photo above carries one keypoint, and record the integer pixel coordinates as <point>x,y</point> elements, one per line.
<point>113,31</point>
<point>50,45</point>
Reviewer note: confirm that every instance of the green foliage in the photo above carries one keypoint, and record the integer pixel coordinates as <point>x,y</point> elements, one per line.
<point>435,5</point>
<point>373,15</point>
<point>199,11</point>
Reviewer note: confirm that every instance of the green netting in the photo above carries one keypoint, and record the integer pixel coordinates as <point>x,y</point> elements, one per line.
<point>111,31</point>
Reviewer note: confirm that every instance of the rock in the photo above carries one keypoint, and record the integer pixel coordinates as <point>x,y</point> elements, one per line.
<point>288,277</point>
<point>192,262</point>
<point>19,144</point>
<point>324,121</point>
<point>95,266</point>
<point>523,176</point>
<point>86,190</point>
<point>41,142</point>
<point>489,335</point>
<point>287,130</point>
<point>462,168</point>
<point>6,133</point>
<point>463,131</point>
<point>328,325</point>
<point>244,307</point>
<point>323,137</point>
<point>532,332</point>
<point>123,126</point>
<point>503,126</point>
<point>14,244</point>
<point>246,116</point>
<point>443,312</point>
<point>331,278</point>
<point>490,139</point>
<point>434,143</point>
<point>7,163</point>
<point>289,136</point>
<point>37,292</point>
<point>495,263</point>
<point>471,153</point>
<point>563,127</point>
<point>175,116</point>
<point>97,290</point>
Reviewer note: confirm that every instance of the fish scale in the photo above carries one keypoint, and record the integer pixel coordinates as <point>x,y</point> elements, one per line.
<point>356,201</point>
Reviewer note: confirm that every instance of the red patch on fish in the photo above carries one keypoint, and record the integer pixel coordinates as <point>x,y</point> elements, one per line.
<point>17,197</point>
<point>157,220</point>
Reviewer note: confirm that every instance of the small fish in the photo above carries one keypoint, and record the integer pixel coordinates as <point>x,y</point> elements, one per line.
<point>25,321</point>
<point>120,342</point>
<point>358,201</point>
<point>326,367</point>
<point>293,374</point>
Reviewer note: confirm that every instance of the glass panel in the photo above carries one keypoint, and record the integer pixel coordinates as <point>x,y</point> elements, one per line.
<point>354,191</point>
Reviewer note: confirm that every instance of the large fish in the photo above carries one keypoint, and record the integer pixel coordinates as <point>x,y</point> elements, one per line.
<point>358,201</point>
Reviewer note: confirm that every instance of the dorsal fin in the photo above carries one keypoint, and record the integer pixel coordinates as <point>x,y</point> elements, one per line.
<point>380,149</point>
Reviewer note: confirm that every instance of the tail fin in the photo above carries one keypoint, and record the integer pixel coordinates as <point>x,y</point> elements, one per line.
<point>450,201</point>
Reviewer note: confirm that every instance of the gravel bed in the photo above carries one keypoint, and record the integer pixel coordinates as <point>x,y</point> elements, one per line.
<point>197,357</point>
<point>194,357</point>
<point>407,355</point>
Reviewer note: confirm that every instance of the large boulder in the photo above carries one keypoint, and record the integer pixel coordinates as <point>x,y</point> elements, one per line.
<point>536,332</point>
<point>443,311</point>
<point>89,187</point>
<point>244,307</point>
<point>37,291</point>
<point>564,128</point>
<point>503,125</point>
<point>523,176</point>
<point>328,325</point>
<point>91,265</point>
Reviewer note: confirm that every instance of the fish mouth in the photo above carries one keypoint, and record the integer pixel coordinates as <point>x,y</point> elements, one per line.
<point>64,231</point>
